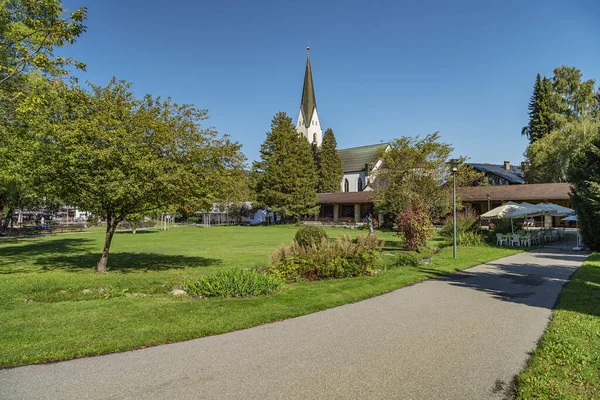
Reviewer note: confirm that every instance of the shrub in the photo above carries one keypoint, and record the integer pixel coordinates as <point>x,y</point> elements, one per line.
<point>410,259</point>
<point>338,259</point>
<point>308,235</point>
<point>234,283</point>
<point>504,226</point>
<point>415,224</point>
<point>470,239</point>
<point>464,223</point>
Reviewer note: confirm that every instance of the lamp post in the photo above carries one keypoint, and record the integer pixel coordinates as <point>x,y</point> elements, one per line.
<point>489,197</point>
<point>454,167</point>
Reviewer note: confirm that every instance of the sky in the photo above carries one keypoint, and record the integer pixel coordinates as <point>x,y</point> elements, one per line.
<point>381,69</point>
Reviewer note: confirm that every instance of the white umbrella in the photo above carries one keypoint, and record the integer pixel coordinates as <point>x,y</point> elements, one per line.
<point>574,218</point>
<point>557,210</point>
<point>507,210</point>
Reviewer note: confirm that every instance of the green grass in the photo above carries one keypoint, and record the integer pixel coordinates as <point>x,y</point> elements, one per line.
<point>45,315</point>
<point>566,365</point>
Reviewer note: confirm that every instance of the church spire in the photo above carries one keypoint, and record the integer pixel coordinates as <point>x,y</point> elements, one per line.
<point>308,104</point>
<point>308,119</point>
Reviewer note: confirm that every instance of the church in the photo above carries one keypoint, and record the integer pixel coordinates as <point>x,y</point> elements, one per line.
<point>359,164</point>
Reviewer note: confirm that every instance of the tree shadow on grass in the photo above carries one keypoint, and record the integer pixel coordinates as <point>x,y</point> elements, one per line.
<point>126,262</point>
<point>76,254</point>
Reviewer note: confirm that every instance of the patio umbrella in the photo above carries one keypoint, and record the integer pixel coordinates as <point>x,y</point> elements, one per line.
<point>557,210</point>
<point>509,210</point>
<point>574,218</point>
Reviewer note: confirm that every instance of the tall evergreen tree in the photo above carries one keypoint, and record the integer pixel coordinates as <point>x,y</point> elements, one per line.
<point>285,177</point>
<point>584,175</point>
<point>540,110</point>
<point>329,165</point>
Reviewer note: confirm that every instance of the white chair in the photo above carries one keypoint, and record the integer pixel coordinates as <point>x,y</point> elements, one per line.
<point>526,240</point>
<point>539,237</point>
<point>500,239</point>
<point>516,240</point>
<point>547,236</point>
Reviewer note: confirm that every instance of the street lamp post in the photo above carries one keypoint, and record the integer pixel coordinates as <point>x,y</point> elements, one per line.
<point>489,198</point>
<point>454,166</point>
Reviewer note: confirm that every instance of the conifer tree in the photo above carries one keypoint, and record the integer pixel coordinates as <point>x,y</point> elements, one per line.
<point>540,110</point>
<point>329,165</point>
<point>285,177</point>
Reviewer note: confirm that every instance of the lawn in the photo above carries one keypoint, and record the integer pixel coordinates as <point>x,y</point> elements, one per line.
<point>47,316</point>
<point>566,365</point>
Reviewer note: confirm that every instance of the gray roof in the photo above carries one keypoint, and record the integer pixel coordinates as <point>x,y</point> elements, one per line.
<point>513,175</point>
<point>308,104</point>
<point>355,158</point>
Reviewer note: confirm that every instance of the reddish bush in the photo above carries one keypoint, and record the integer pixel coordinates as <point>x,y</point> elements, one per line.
<point>415,225</point>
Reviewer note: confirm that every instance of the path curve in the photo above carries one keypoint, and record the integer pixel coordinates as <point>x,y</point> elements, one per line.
<point>462,336</point>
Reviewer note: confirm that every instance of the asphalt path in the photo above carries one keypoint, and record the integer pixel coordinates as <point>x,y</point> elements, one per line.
<point>460,336</point>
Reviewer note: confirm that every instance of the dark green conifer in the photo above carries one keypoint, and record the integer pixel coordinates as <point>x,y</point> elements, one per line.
<point>285,176</point>
<point>329,165</point>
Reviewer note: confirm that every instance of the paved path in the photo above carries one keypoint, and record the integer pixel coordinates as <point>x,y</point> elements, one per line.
<point>462,336</point>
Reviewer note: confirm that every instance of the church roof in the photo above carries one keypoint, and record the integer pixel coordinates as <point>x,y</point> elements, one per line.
<point>355,158</point>
<point>308,104</point>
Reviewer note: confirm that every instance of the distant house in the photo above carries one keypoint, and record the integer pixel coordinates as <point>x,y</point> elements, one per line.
<point>498,175</point>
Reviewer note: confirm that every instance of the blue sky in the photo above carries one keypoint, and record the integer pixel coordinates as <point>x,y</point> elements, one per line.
<point>382,69</point>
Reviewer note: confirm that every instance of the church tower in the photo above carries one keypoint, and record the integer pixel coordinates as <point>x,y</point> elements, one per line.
<point>308,119</point>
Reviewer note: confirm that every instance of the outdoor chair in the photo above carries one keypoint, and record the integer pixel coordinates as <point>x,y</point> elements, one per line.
<point>539,237</point>
<point>547,236</point>
<point>516,240</point>
<point>526,240</point>
<point>500,239</point>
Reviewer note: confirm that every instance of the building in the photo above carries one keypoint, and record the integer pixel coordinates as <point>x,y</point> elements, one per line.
<point>481,199</point>
<point>359,164</point>
<point>498,175</point>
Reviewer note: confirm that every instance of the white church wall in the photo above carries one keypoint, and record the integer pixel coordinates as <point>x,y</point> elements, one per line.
<point>353,181</point>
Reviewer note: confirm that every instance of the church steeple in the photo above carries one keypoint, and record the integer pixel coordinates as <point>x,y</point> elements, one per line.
<point>308,119</point>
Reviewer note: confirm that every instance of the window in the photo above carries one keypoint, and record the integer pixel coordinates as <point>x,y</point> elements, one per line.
<point>359,184</point>
<point>346,185</point>
<point>314,138</point>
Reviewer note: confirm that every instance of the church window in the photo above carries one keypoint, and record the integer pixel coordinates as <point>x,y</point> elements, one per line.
<point>359,185</point>
<point>346,185</point>
<point>314,138</point>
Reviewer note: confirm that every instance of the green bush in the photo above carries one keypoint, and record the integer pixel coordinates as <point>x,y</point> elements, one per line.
<point>504,226</point>
<point>464,223</point>
<point>470,239</point>
<point>234,283</point>
<point>308,235</point>
<point>338,259</point>
<point>407,258</point>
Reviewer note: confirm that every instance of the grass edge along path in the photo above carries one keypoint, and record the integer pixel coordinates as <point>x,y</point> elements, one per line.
<point>566,363</point>
<point>46,332</point>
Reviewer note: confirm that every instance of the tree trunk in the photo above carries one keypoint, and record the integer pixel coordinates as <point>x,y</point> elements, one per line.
<point>111,225</point>
<point>9,216</point>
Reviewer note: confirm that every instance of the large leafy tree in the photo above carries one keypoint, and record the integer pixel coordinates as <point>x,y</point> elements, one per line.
<point>30,30</point>
<point>117,156</point>
<point>584,174</point>
<point>415,174</point>
<point>286,177</point>
<point>329,165</point>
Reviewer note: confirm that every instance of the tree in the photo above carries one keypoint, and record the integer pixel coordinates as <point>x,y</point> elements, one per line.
<point>329,165</point>
<point>30,30</point>
<point>114,155</point>
<point>550,157</point>
<point>412,175</point>
<point>584,175</point>
<point>285,177</point>
<point>563,121</point>
<point>540,111</point>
